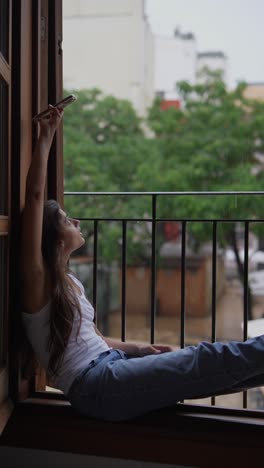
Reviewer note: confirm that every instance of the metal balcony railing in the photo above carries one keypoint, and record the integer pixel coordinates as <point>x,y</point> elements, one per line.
<point>246,224</point>
<point>154,220</point>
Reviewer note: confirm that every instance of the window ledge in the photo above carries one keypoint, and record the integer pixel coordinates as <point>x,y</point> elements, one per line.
<point>6,408</point>
<point>184,434</point>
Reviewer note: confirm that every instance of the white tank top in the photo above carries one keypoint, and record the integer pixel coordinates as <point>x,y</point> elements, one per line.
<point>78,354</point>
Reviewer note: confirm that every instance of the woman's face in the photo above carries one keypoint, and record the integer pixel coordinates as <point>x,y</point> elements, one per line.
<point>70,236</point>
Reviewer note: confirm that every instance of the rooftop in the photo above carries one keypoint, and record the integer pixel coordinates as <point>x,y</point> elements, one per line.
<point>212,53</point>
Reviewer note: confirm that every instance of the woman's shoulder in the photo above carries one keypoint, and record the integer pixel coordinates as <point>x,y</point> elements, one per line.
<point>76,281</point>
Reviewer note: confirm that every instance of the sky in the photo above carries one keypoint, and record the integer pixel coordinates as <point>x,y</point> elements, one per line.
<point>235,27</point>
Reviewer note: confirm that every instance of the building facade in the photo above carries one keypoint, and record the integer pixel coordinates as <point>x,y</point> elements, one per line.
<point>214,60</point>
<point>109,45</point>
<point>255,91</point>
<point>175,59</point>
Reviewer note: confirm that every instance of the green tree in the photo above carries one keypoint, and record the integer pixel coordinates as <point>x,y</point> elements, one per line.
<point>105,150</point>
<point>212,143</point>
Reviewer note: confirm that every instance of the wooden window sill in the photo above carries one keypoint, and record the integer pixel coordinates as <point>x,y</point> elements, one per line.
<point>184,434</point>
<point>6,408</point>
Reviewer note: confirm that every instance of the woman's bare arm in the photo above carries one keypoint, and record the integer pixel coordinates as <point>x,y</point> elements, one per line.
<point>135,348</point>
<point>31,255</point>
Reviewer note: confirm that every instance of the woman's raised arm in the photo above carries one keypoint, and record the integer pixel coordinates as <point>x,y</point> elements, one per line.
<point>31,255</point>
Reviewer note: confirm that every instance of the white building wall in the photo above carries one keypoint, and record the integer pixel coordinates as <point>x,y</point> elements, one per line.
<point>108,44</point>
<point>149,66</point>
<point>213,62</point>
<point>175,60</point>
<point>102,7</point>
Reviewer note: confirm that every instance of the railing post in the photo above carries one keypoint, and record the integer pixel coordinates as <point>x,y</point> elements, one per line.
<point>123,312</point>
<point>153,270</point>
<point>183,271</point>
<point>214,263</point>
<point>95,267</point>
<point>246,295</point>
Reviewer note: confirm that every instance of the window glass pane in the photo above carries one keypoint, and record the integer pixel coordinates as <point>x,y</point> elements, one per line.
<point>3,276</point>
<point>3,146</point>
<point>4,29</point>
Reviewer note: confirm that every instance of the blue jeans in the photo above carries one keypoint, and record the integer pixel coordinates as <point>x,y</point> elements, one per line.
<point>117,387</point>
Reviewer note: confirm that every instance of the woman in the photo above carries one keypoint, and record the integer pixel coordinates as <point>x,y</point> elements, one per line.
<point>101,377</point>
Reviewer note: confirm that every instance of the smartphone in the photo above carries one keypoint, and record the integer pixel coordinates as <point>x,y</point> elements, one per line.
<point>61,104</point>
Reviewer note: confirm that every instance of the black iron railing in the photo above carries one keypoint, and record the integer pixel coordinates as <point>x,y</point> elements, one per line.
<point>154,219</point>
<point>184,223</point>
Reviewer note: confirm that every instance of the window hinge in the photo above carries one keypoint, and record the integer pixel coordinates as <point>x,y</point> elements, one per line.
<point>59,45</point>
<point>43,28</point>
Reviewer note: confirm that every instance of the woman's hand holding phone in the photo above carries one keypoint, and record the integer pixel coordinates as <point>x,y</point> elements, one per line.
<point>49,125</point>
<point>59,105</point>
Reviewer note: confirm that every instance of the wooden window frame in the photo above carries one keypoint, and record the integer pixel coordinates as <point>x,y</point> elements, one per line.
<point>36,80</point>
<point>5,72</point>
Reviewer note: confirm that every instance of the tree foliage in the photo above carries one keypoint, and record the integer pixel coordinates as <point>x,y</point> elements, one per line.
<point>105,150</point>
<point>212,143</point>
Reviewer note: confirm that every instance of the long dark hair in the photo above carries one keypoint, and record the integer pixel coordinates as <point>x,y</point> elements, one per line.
<point>64,297</point>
